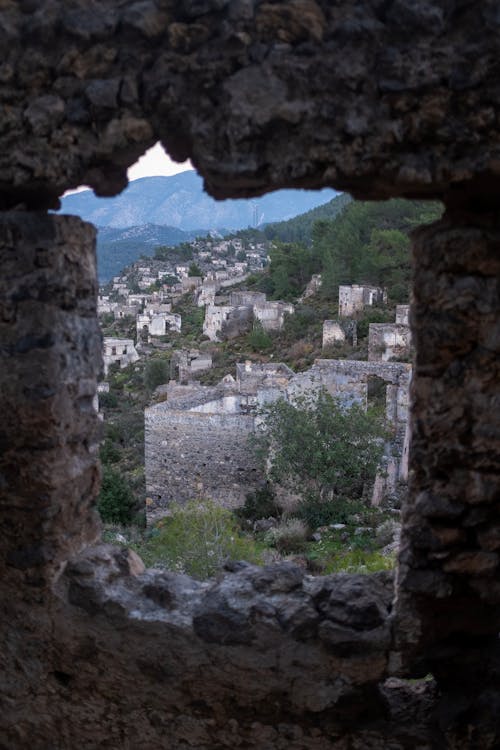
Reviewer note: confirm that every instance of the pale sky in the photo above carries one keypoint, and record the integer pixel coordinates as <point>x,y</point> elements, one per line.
<point>154,162</point>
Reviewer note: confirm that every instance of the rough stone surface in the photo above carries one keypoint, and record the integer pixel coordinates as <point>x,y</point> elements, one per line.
<point>449,596</point>
<point>356,95</point>
<point>384,98</point>
<point>49,429</point>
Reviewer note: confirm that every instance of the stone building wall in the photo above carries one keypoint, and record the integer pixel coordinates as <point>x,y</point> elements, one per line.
<point>333,333</point>
<point>389,341</point>
<point>353,299</point>
<point>246,298</point>
<point>158,323</point>
<point>403,315</point>
<point>200,452</point>
<point>271,315</point>
<point>226,321</point>
<point>382,99</point>
<point>121,351</point>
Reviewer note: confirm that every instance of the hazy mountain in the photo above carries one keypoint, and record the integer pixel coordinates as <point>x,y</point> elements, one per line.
<point>179,201</point>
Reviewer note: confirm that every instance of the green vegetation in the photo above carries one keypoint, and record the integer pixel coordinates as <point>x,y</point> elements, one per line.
<point>365,243</point>
<point>259,504</point>
<point>176,254</point>
<point>194,270</point>
<point>116,502</point>
<point>258,339</point>
<point>299,229</point>
<point>157,372</point>
<point>197,538</point>
<point>321,451</point>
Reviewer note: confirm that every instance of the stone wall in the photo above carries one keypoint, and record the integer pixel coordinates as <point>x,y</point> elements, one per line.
<point>353,299</point>
<point>158,323</point>
<point>389,341</point>
<point>197,441</point>
<point>382,99</point>
<point>226,322</point>
<point>118,351</point>
<point>199,451</point>
<point>246,298</point>
<point>271,315</point>
<point>333,333</point>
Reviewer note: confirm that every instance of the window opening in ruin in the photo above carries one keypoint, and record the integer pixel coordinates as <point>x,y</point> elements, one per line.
<point>201,405</point>
<point>376,391</point>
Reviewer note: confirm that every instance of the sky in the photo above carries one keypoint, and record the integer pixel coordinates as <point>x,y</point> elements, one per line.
<point>156,162</point>
<point>152,163</point>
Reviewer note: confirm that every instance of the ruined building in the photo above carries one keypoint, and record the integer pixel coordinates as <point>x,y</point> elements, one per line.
<point>116,351</point>
<point>197,440</point>
<point>353,299</point>
<point>391,341</point>
<point>237,317</point>
<point>381,99</point>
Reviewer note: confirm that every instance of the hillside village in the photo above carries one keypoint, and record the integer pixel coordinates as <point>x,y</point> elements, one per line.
<point>194,353</point>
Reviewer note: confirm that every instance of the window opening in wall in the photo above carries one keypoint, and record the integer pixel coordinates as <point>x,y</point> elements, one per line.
<point>376,391</point>
<point>217,356</point>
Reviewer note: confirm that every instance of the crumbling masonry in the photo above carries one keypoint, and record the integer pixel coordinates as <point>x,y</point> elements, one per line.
<point>392,98</point>
<point>197,439</point>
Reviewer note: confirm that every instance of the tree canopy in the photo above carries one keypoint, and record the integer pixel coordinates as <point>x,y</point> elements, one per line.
<point>319,449</point>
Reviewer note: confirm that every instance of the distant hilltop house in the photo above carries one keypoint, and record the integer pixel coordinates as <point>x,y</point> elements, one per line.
<point>353,299</point>
<point>235,318</point>
<point>154,322</point>
<point>118,351</point>
<point>196,441</point>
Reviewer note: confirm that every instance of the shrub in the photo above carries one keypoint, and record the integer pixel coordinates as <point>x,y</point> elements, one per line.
<point>289,536</point>
<point>197,538</point>
<point>258,339</point>
<point>109,453</point>
<point>259,504</point>
<point>108,400</point>
<point>316,511</point>
<point>156,373</point>
<point>319,449</point>
<point>116,501</point>
<point>359,561</point>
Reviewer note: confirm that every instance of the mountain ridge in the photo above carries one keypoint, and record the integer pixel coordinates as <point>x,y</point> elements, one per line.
<point>179,201</point>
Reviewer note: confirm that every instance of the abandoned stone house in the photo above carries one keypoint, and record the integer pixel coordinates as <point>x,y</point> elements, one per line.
<point>333,333</point>
<point>116,351</point>
<point>197,440</point>
<point>391,341</point>
<point>231,320</point>
<point>157,323</point>
<point>353,299</point>
<point>381,99</point>
<point>187,364</point>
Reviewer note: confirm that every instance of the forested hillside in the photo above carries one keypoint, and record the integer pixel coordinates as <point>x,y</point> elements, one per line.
<point>299,229</point>
<point>366,243</point>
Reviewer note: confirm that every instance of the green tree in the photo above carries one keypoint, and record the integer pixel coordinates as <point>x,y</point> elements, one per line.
<point>387,262</point>
<point>195,270</point>
<point>258,339</point>
<point>290,269</point>
<point>116,501</point>
<point>156,373</point>
<point>320,449</point>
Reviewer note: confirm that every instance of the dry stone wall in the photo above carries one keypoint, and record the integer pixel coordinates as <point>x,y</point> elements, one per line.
<point>355,95</point>
<point>384,98</point>
<point>196,454</point>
